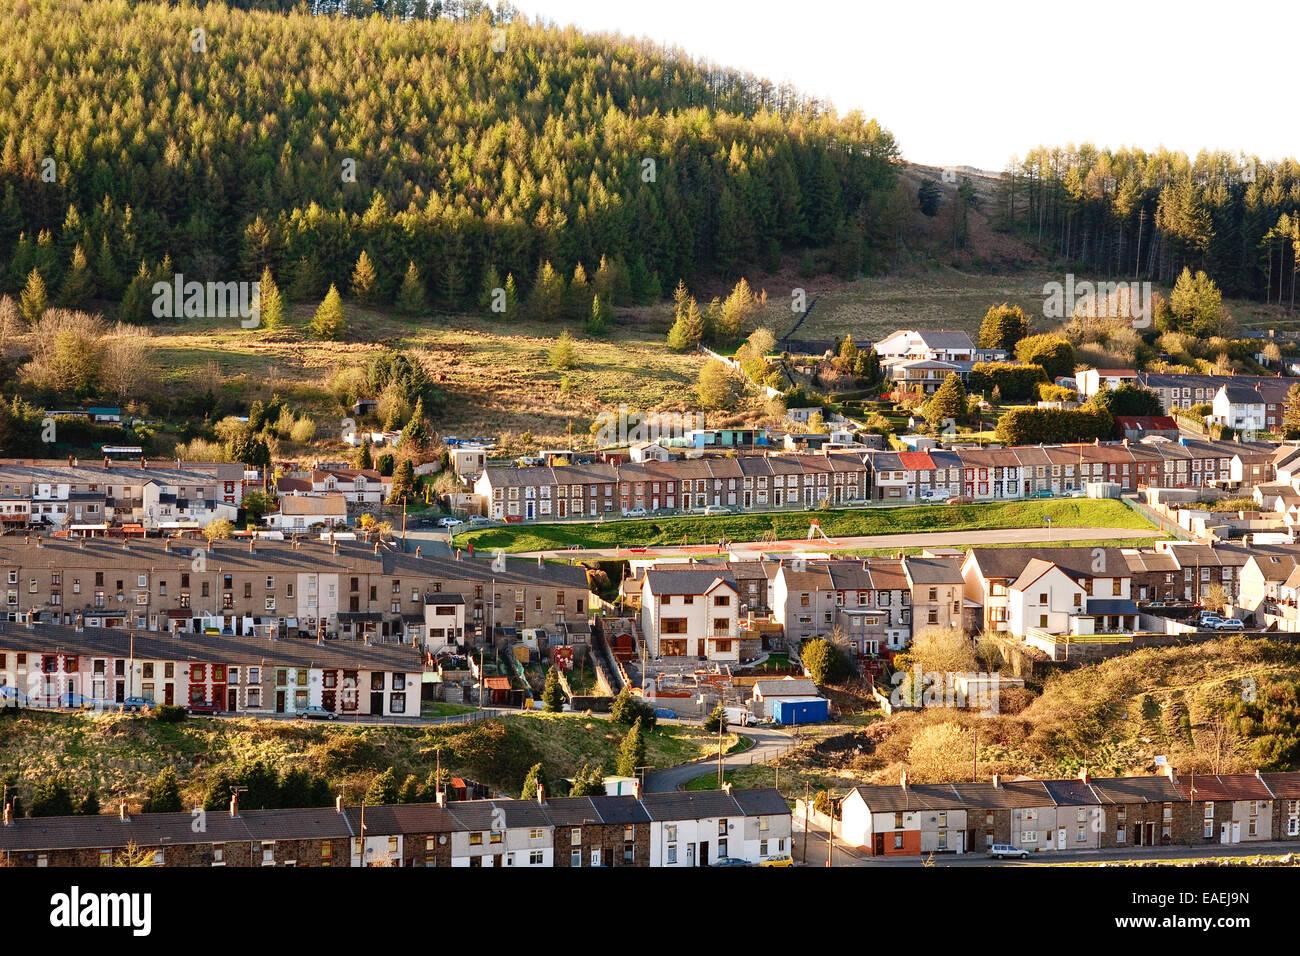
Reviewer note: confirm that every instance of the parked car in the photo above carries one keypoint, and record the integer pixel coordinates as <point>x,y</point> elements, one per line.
<point>315,712</point>
<point>718,510</point>
<point>1155,604</point>
<point>75,700</point>
<point>780,859</point>
<point>137,703</point>
<point>449,522</point>
<point>1207,620</point>
<point>730,861</point>
<point>1229,624</point>
<point>1076,493</point>
<point>1003,850</point>
<point>1042,494</point>
<point>204,707</point>
<point>480,519</point>
<point>634,513</point>
<point>960,500</point>
<point>933,494</point>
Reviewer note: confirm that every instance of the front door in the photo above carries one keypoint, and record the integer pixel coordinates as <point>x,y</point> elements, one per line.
<point>704,853</point>
<point>690,854</point>
<point>1060,838</point>
<point>169,694</point>
<point>376,702</point>
<point>232,698</point>
<point>279,702</point>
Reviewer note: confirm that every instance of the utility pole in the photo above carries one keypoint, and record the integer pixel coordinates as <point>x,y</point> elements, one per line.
<point>720,726</point>
<point>806,794</point>
<point>975,773</point>
<point>830,827</point>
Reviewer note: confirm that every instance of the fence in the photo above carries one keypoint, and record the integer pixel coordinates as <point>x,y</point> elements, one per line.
<point>1169,525</point>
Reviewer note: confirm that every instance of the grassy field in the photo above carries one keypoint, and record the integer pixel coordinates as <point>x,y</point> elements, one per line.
<point>120,754</point>
<point>1065,513</point>
<point>1027,545</point>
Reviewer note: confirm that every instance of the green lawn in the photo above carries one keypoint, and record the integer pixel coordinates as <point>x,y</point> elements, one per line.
<point>1065,513</point>
<point>433,708</point>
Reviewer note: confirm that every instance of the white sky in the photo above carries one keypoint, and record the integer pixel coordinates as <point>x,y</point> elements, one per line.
<point>972,84</point>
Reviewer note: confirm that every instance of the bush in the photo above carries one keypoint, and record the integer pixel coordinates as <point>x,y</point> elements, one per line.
<point>1015,382</point>
<point>169,714</point>
<point>716,722</point>
<point>824,661</point>
<point>627,710</point>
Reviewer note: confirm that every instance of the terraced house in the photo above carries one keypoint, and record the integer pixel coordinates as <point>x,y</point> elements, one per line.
<point>265,587</point>
<point>51,664</point>
<point>152,496</point>
<point>663,829</point>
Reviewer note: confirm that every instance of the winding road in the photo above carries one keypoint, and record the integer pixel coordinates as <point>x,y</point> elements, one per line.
<point>768,743</point>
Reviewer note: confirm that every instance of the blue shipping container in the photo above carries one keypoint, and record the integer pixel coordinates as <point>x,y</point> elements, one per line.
<point>801,710</point>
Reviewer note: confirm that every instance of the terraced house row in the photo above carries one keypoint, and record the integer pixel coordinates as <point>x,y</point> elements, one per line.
<point>677,829</point>
<point>1086,813</point>
<point>261,586</point>
<point>802,481</point>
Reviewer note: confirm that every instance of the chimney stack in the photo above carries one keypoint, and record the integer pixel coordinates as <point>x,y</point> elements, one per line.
<point>338,803</point>
<point>441,799</point>
<point>81,542</point>
<point>9,814</point>
<point>38,542</point>
<point>252,545</point>
<point>417,550</point>
<point>376,546</point>
<point>334,546</point>
<point>726,788</point>
<point>997,781</point>
<point>121,812</point>
<point>902,780</point>
<point>1084,776</point>
<point>106,461</point>
<point>1168,771</point>
<point>234,806</point>
<point>541,795</point>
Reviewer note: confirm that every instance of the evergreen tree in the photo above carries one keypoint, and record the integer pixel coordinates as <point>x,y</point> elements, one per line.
<point>34,298</point>
<point>52,798</point>
<point>164,794</point>
<point>578,299</point>
<point>688,328</point>
<point>383,789</point>
<point>363,458</point>
<point>295,788</point>
<point>547,298</point>
<point>137,301</point>
<point>552,695</point>
<point>716,720</point>
<point>403,482</point>
<point>563,355</point>
<point>364,281</point>
<point>588,782</point>
<point>79,282</point>
<point>410,297</point>
<point>1003,326</point>
<point>599,318</point>
<point>492,289</point>
<point>410,791</point>
<point>536,777</point>
<point>1291,413</point>
<point>631,754</point>
<point>416,433</point>
<point>271,304</point>
<point>948,402</point>
<point>89,803</point>
<point>328,323</point>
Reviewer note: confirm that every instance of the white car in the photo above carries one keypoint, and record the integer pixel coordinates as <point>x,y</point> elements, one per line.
<point>635,513</point>
<point>449,522</point>
<point>1229,624</point>
<point>1003,850</point>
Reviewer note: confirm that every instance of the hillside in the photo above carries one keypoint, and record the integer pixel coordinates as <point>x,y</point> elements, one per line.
<point>120,755</point>
<point>297,141</point>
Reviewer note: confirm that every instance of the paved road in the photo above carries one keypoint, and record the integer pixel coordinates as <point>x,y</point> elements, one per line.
<point>768,743</point>
<point>850,856</point>
<point>914,540</point>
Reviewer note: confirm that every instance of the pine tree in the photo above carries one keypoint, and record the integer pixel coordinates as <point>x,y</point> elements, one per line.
<point>137,301</point>
<point>34,298</point>
<point>364,282</point>
<point>403,482</point>
<point>948,402</point>
<point>89,803</point>
<point>271,307</point>
<point>688,329</point>
<point>1003,326</point>
<point>491,290</point>
<point>599,318</point>
<point>512,296</point>
<point>416,432</point>
<point>547,298</point>
<point>536,778</point>
<point>328,322</point>
<point>52,798</point>
<point>631,754</point>
<point>164,794</point>
<point>552,696</point>
<point>383,789</point>
<point>562,354</point>
<point>578,299</point>
<point>410,297</point>
<point>78,283</point>
<point>410,792</point>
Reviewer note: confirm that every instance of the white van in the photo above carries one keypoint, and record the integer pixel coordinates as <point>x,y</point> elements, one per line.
<point>1003,850</point>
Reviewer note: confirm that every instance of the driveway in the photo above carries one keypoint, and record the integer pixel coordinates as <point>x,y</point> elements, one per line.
<point>768,743</point>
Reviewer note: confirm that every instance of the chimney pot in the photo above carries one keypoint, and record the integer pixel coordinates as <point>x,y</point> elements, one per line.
<point>441,799</point>
<point>902,780</point>
<point>997,781</point>
<point>234,805</point>
<point>1084,776</point>
<point>252,545</point>
<point>541,794</point>
<point>9,814</point>
<point>121,812</point>
<point>338,803</point>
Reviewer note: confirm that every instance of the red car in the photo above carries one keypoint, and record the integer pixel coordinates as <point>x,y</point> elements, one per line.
<point>202,707</point>
<point>960,500</point>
